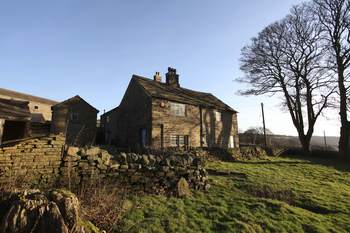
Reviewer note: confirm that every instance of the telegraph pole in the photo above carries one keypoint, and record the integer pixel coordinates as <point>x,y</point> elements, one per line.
<point>263,117</point>
<point>325,139</point>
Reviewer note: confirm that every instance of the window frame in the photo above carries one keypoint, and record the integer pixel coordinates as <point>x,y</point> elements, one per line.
<point>177,109</point>
<point>179,140</point>
<point>74,116</point>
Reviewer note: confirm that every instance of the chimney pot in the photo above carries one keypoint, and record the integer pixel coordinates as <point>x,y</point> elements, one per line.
<point>157,77</point>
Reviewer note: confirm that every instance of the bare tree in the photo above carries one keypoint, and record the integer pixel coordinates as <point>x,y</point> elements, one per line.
<point>334,16</point>
<point>286,58</point>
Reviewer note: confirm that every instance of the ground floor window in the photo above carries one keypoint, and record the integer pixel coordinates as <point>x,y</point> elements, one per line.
<point>179,140</point>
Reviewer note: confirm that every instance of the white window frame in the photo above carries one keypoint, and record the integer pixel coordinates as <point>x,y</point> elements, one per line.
<point>179,140</point>
<point>173,140</point>
<point>177,109</point>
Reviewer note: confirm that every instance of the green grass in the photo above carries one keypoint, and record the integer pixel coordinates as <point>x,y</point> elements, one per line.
<point>272,195</point>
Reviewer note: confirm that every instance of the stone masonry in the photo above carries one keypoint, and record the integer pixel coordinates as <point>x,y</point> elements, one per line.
<point>35,160</point>
<point>47,161</point>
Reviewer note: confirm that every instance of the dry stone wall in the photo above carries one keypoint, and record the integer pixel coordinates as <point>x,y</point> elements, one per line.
<point>146,172</point>
<point>35,160</point>
<point>47,161</point>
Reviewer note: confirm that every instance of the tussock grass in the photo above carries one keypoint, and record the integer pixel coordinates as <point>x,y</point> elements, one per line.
<point>275,195</point>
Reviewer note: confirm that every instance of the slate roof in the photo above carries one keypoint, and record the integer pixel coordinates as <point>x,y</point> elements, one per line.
<point>14,110</point>
<point>19,95</point>
<point>71,100</point>
<point>179,94</point>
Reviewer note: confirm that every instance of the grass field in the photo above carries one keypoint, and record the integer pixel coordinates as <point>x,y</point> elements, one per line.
<point>272,195</point>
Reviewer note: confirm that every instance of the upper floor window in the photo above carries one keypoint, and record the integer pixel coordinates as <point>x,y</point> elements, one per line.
<point>217,116</point>
<point>107,119</point>
<point>36,107</point>
<point>177,109</point>
<point>74,116</point>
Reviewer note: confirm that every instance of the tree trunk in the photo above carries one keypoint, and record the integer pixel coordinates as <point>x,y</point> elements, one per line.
<point>344,130</point>
<point>305,144</point>
<point>344,141</point>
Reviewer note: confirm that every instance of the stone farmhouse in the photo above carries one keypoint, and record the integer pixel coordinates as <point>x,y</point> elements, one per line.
<point>156,114</point>
<point>76,119</point>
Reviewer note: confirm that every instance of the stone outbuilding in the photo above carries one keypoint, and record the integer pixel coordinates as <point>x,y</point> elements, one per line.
<point>39,107</point>
<point>15,120</point>
<point>76,119</point>
<point>156,114</point>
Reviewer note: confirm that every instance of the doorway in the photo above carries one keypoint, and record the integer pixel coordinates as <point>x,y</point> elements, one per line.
<point>14,130</point>
<point>143,137</point>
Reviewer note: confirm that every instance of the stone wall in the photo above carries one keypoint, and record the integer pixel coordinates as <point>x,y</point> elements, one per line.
<point>46,161</point>
<point>36,160</point>
<point>146,172</point>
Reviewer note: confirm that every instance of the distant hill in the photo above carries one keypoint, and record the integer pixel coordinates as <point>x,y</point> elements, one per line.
<point>317,142</point>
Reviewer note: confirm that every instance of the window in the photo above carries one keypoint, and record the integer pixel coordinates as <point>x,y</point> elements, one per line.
<point>217,116</point>
<point>36,107</point>
<point>173,140</point>
<point>179,140</point>
<point>107,119</point>
<point>177,109</point>
<point>74,116</point>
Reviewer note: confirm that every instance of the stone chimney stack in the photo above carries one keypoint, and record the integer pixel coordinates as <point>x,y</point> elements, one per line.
<point>172,79</point>
<point>157,77</point>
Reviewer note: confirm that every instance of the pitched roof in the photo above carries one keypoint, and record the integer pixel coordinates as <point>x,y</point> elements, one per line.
<point>14,110</point>
<point>19,95</point>
<point>71,100</point>
<point>110,111</point>
<point>179,94</point>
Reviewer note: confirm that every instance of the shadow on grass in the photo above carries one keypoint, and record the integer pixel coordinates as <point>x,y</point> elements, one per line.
<point>338,164</point>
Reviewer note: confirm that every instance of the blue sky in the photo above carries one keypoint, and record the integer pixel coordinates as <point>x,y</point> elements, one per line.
<point>57,49</point>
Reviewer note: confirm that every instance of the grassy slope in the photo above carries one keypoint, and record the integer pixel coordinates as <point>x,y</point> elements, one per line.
<point>277,195</point>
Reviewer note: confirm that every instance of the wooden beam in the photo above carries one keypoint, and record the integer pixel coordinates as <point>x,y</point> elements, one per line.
<point>2,123</point>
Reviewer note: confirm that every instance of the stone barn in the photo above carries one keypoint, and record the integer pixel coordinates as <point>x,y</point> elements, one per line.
<point>40,108</point>
<point>76,119</point>
<point>15,120</point>
<point>156,114</point>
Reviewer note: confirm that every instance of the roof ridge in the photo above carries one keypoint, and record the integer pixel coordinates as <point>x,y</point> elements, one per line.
<point>183,88</point>
<point>180,94</point>
<point>72,98</point>
<point>27,96</point>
